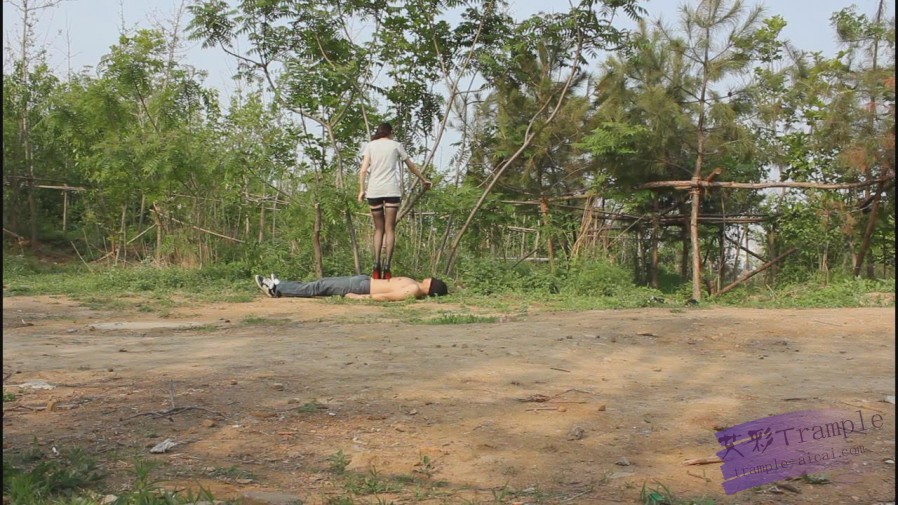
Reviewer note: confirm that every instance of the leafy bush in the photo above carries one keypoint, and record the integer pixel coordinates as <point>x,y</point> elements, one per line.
<point>597,278</point>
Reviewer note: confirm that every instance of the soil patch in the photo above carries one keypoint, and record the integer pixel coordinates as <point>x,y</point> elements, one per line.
<point>265,398</point>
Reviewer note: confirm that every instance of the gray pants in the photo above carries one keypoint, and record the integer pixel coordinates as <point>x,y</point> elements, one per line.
<point>329,286</point>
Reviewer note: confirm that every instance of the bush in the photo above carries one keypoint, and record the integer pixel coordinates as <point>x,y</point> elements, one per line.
<point>598,278</point>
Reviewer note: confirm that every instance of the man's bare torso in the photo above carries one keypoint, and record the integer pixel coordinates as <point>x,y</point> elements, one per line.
<point>384,286</point>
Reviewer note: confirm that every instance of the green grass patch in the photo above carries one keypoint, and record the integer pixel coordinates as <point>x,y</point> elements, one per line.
<point>659,494</point>
<point>487,285</point>
<point>842,293</point>
<point>232,472</point>
<point>460,319</point>
<point>338,462</point>
<point>36,477</point>
<point>266,321</point>
<point>148,288</point>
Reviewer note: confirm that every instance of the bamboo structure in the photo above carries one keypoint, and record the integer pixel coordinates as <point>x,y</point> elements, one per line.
<point>696,186</point>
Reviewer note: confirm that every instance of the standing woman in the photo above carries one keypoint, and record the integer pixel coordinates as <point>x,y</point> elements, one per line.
<point>384,192</point>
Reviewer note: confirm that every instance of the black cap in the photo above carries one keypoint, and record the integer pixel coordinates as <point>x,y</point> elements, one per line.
<point>437,287</point>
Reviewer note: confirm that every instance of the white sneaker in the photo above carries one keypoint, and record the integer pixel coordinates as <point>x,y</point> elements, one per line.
<point>268,285</point>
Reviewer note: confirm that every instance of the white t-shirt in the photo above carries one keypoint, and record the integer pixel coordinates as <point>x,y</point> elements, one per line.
<point>383,170</point>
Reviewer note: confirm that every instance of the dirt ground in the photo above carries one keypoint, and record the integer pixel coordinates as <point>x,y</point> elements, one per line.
<point>542,407</point>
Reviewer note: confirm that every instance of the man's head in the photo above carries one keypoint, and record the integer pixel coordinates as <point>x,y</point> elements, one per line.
<point>437,287</point>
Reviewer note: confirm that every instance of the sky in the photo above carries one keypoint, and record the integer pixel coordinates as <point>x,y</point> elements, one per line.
<point>77,33</point>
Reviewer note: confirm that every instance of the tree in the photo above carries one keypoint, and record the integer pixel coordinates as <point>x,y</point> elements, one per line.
<point>661,115</point>
<point>570,37</point>
<point>22,105</point>
<point>713,46</point>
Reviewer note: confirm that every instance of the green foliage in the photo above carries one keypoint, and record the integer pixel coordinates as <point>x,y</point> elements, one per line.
<point>597,278</point>
<point>460,319</point>
<point>108,285</point>
<point>371,482</point>
<point>338,462</point>
<point>659,494</point>
<point>237,188</point>
<point>845,292</point>
<point>40,476</point>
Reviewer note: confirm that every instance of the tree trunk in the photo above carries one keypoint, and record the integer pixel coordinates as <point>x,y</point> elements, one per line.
<point>771,253</point>
<point>262,218</point>
<point>157,254</point>
<point>355,245</point>
<point>316,242</point>
<point>868,234</point>
<point>684,251</point>
<point>656,236</point>
<point>722,265</point>
<point>638,269</point>
<point>550,246</point>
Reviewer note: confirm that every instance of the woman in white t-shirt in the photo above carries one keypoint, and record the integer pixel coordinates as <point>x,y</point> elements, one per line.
<point>384,192</point>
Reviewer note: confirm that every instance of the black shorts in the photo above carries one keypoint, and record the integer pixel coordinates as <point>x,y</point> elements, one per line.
<point>377,202</point>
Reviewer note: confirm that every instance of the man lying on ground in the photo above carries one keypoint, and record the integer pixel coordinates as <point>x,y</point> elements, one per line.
<point>356,287</point>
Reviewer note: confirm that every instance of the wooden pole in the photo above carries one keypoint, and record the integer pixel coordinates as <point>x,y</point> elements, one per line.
<point>65,208</point>
<point>759,185</point>
<point>751,274</point>
<point>694,243</point>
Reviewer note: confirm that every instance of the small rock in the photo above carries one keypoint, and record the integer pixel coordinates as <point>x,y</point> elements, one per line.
<point>244,481</point>
<point>412,412</point>
<point>108,499</point>
<point>623,462</point>
<point>646,334</point>
<point>110,369</point>
<point>37,384</point>
<point>209,423</point>
<point>163,446</point>
<point>890,399</point>
<point>562,409</point>
<point>656,369</point>
<point>889,461</point>
<point>576,433</point>
<point>74,330</point>
<point>601,408</point>
<point>123,350</point>
<point>277,386</point>
<point>233,382</point>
